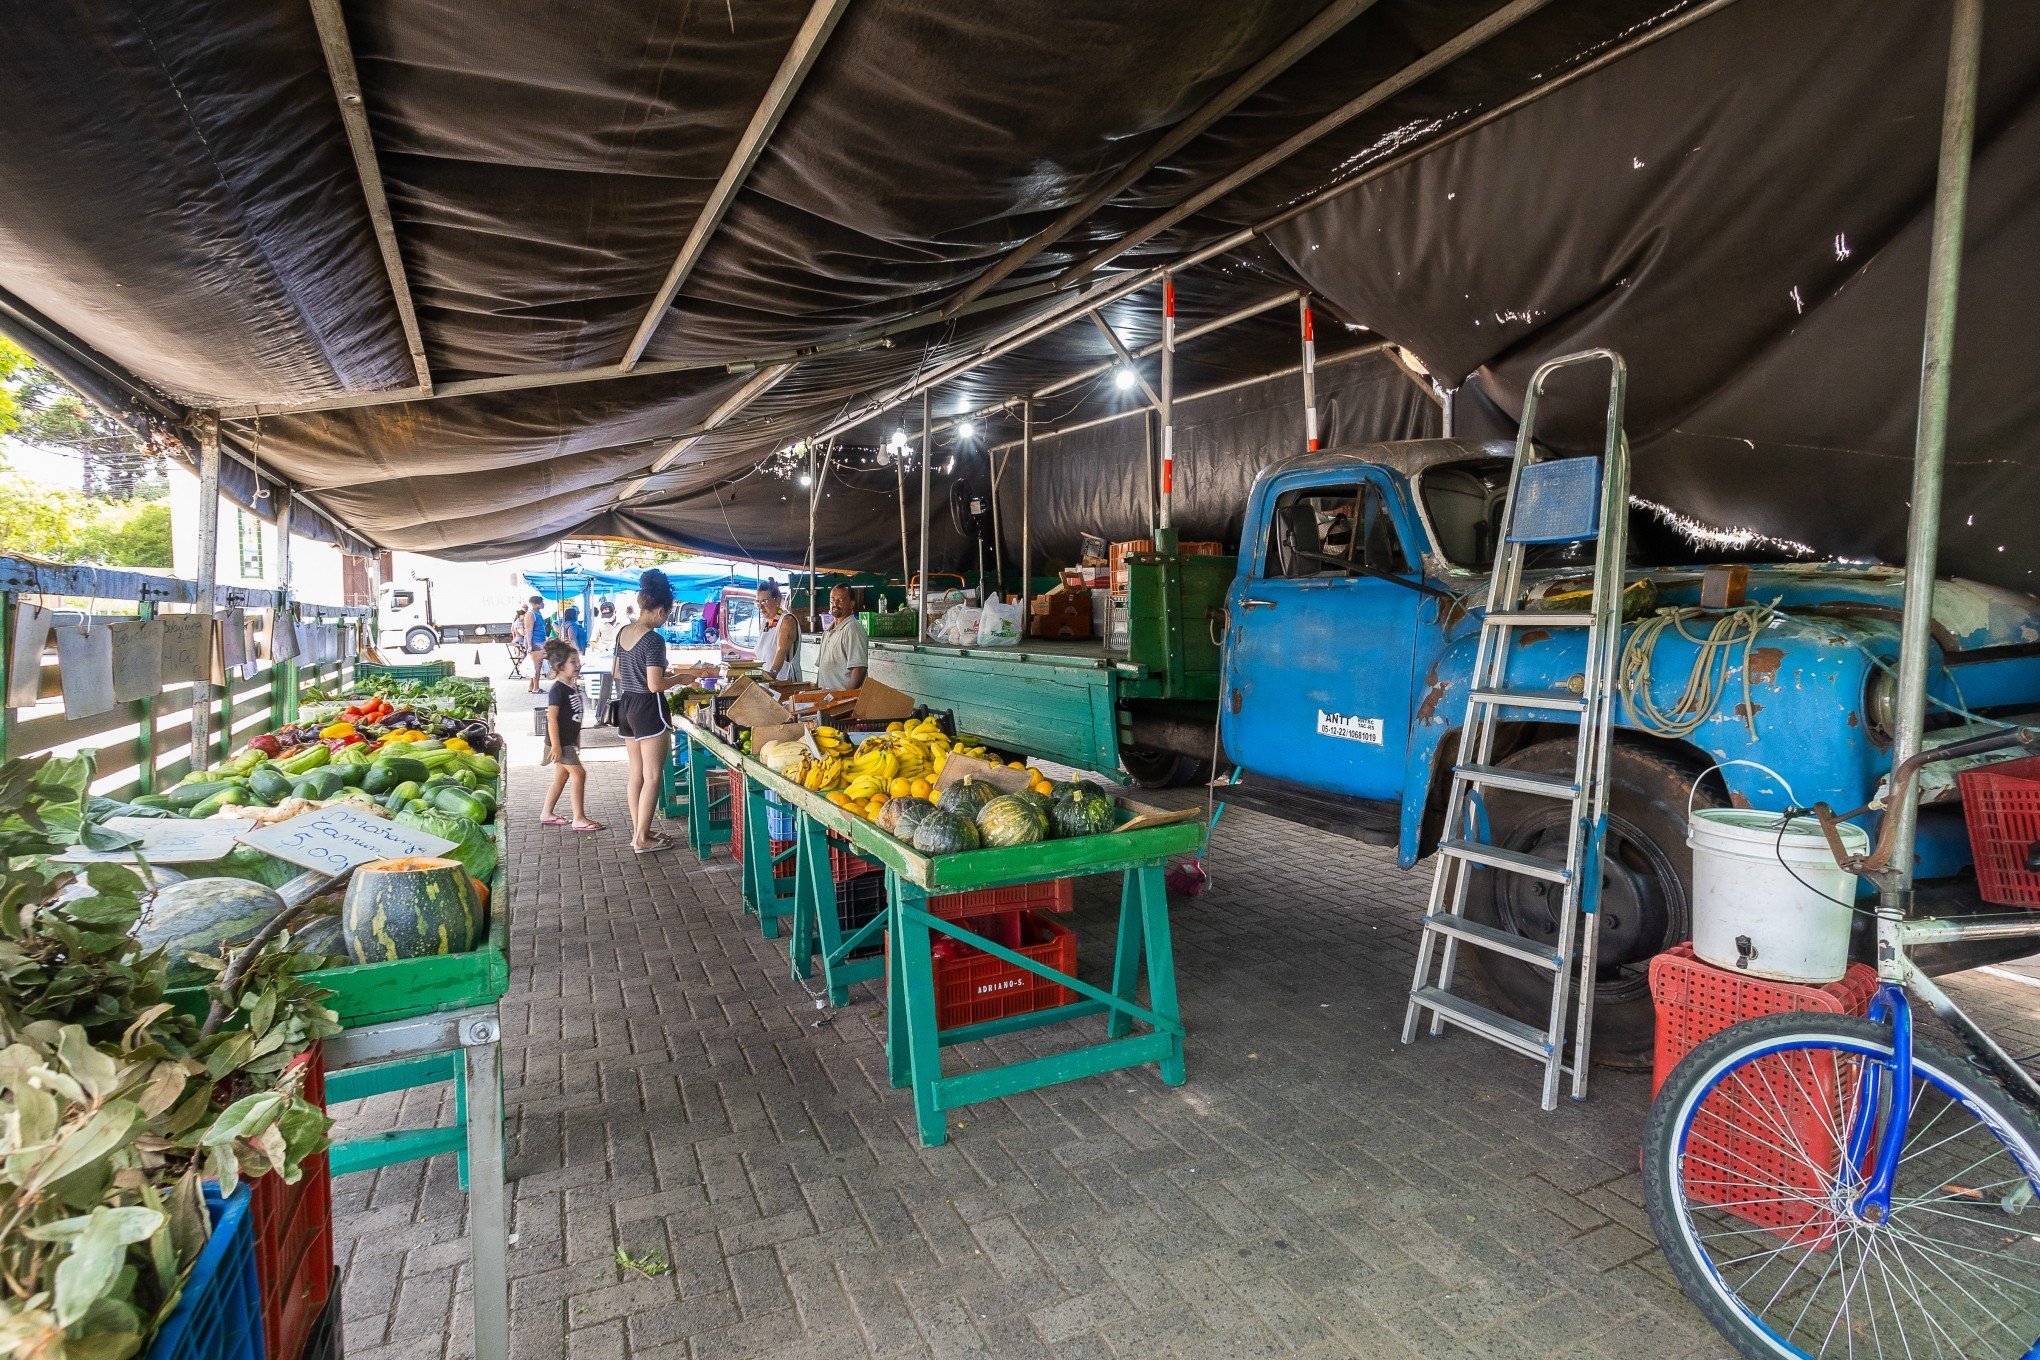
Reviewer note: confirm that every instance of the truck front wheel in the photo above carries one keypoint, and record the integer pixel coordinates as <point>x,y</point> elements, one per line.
<point>1156,769</point>
<point>420,641</point>
<point>1646,890</point>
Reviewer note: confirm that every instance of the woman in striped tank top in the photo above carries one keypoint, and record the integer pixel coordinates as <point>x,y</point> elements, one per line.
<point>641,682</point>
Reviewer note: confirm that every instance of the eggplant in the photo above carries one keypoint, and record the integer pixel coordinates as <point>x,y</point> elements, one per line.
<point>474,732</point>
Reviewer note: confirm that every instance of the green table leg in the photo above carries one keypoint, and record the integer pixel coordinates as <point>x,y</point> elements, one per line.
<point>699,762</point>
<point>915,968</point>
<point>899,1062</point>
<point>767,895</point>
<point>1126,954</point>
<point>811,880</point>
<point>1161,957</point>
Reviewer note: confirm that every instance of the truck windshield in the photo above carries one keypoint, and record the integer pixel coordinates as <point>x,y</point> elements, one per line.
<point>1463,501</point>
<point>1330,530</point>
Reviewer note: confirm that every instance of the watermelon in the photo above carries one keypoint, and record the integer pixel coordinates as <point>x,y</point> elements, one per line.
<point>410,908</point>
<point>944,833</point>
<point>965,797</point>
<point>321,936</point>
<point>901,815</point>
<point>203,916</point>
<point>1011,820</point>
<point>1084,814</point>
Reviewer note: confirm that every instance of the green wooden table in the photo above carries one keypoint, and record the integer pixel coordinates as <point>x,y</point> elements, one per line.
<point>913,1043</point>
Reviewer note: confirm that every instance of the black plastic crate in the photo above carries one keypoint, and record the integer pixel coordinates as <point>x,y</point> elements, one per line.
<point>859,900</point>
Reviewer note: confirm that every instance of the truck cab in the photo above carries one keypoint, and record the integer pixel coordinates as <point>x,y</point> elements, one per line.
<point>1352,625</point>
<point>403,617</point>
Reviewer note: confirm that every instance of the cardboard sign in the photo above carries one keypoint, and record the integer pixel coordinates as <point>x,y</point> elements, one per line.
<point>1000,777</point>
<point>336,839</point>
<point>166,840</point>
<point>761,737</point>
<point>1156,817</point>
<point>756,707</point>
<point>32,627</point>
<point>186,645</point>
<point>137,660</point>
<point>85,665</point>
<point>878,702</point>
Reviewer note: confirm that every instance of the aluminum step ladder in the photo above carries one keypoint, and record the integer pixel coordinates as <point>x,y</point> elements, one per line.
<point>1550,500</point>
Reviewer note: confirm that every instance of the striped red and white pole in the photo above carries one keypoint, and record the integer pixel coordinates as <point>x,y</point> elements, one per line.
<point>1168,397</point>
<point>1309,379</point>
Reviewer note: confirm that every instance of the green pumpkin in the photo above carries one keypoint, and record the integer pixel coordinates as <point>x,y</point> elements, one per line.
<point>1084,814</point>
<point>203,916</point>
<point>1040,801</point>
<point>901,815</point>
<point>965,797</point>
<point>1011,820</point>
<point>410,908</point>
<point>1071,788</point>
<point>944,833</point>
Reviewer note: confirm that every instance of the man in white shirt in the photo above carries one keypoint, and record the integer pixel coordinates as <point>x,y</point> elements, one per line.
<point>845,656</point>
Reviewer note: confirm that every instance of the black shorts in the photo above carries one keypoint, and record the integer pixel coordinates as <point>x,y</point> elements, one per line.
<point>640,715</point>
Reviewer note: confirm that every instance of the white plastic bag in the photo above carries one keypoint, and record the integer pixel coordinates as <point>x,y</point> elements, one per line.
<point>999,624</point>
<point>957,627</point>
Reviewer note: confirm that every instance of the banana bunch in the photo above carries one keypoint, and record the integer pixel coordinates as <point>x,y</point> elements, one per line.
<point>820,776</point>
<point>864,787</point>
<point>832,741</point>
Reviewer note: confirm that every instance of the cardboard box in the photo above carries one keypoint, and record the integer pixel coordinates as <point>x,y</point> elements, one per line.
<point>1001,777</point>
<point>881,703</point>
<point>1061,613</point>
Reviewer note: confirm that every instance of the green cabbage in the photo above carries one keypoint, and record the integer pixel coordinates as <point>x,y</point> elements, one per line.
<point>474,850</point>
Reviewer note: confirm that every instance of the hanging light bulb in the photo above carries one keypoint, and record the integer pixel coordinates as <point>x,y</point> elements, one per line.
<point>806,480</point>
<point>966,431</point>
<point>1123,379</point>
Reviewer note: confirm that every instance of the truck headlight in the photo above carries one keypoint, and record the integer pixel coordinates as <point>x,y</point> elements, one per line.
<point>1880,706</point>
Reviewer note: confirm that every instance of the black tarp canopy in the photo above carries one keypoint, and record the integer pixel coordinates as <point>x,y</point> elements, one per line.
<point>853,194</point>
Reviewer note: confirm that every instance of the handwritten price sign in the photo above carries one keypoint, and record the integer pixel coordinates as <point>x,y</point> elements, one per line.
<point>334,840</point>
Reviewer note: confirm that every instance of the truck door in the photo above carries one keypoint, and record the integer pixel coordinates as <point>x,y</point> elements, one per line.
<point>740,624</point>
<point>1320,669</point>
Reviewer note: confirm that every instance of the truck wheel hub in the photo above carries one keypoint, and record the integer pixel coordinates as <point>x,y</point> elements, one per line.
<point>1633,910</point>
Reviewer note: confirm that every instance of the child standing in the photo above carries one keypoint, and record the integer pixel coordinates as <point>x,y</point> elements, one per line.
<point>563,738</point>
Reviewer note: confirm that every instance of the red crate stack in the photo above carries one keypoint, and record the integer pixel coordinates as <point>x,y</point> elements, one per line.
<point>1696,1001</point>
<point>294,1236</point>
<point>972,986</point>
<point>1057,894</point>
<point>2001,804</point>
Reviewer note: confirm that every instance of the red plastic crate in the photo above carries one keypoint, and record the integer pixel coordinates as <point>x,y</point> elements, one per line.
<point>2001,804</point>
<point>1696,1001</point>
<point>1056,894</point>
<point>294,1237</point>
<point>972,986</point>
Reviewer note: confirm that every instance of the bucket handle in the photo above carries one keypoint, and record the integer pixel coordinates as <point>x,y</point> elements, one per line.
<point>1694,792</point>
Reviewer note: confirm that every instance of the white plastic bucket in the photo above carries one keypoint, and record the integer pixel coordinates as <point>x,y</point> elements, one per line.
<point>1757,916</point>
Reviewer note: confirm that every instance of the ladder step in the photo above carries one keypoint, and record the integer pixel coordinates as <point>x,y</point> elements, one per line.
<point>1521,781</point>
<point>1556,700</point>
<point>1500,941</point>
<point>1510,861</point>
<point>1508,1032</point>
<point>1530,618</point>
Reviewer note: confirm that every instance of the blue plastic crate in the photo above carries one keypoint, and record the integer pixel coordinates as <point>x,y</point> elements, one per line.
<point>219,1316</point>
<point>1558,501</point>
<point>778,817</point>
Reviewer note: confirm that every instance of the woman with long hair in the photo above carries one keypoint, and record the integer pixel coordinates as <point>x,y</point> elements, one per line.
<point>641,683</point>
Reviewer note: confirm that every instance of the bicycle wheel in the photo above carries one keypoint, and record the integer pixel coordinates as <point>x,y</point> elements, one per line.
<point>1744,1177</point>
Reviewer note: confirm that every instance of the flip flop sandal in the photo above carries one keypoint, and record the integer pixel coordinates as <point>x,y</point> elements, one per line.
<point>552,821</point>
<point>654,848</point>
<point>588,826</point>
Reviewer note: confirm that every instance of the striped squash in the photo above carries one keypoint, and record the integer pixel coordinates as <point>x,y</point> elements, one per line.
<point>409,908</point>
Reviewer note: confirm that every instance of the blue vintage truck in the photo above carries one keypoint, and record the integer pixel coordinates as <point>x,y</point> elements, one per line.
<point>1345,684</point>
<point>1336,652</point>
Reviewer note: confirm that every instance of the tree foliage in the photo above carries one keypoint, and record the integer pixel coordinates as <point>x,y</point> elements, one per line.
<point>37,407</point>
<point>65,526</point>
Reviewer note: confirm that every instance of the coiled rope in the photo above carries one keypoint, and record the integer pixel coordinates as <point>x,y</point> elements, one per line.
<point>1727,642</point>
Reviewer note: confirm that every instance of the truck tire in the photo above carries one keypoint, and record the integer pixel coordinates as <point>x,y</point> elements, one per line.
<point>1646,889</point>
<point>419,641</point>
<point>1155,769</point>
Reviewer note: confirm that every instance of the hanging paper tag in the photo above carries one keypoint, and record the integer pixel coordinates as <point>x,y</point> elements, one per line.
<point>283,637</point>
<point>137,659</point>
<point>85,664</point>
<point>186,649</point>
<point>234,639</point>
<point>32,627</point>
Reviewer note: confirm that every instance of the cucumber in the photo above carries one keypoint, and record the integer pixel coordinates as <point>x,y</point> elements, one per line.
<point>187,796</point>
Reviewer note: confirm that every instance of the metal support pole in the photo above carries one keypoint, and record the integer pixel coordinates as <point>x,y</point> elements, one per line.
<point>998,538</point>
<point>1026,497</point>
<point>1448,406</point>
<point>1930,441</point>
<point>488,1196</point>
<point>1310,440</point>
<point>814,492</point>
<point>1167,522</point>
<point>208,569</point>
<point>927,457</point>
<point>906,564</point>
<point>283,674</point>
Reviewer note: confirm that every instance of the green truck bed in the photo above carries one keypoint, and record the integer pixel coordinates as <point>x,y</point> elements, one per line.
<point>1056,700</point>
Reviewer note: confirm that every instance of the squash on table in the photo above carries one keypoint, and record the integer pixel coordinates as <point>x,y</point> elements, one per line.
<point>410,908</point>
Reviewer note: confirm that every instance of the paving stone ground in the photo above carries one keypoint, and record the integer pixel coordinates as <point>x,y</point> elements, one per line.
<point>1314,1190</point>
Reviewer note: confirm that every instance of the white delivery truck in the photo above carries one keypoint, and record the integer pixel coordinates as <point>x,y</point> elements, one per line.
<point>405,620</point>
